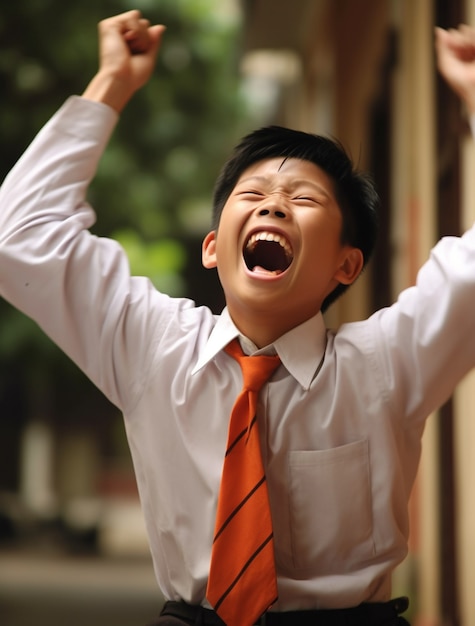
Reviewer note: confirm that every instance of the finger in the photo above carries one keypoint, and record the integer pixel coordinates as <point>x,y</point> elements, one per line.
<point>138,39</point>
<point>124,21</point>
<point>468,32</point>
<point>442,41</point>
<point>146,41</point>
<point>468,35</point>
<point>130,25</point>
<point>156,34</point>
<point>458,42</point>
<point>463,35</point>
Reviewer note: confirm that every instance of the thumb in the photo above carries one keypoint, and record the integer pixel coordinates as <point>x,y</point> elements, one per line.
<point>155,34</point>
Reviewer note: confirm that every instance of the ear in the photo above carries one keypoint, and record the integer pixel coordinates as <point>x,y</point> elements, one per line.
<point>208,250</point>
<point>350,267</point>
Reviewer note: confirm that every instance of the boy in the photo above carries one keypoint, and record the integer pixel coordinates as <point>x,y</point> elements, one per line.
<point>341,419</point>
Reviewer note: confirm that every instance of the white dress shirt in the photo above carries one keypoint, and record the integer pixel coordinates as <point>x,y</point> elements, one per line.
<point>341,420</point>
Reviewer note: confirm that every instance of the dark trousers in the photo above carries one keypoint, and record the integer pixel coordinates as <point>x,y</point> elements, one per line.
<point>375,614</point>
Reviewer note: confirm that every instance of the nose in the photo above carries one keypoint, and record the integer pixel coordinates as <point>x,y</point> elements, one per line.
<point>275,205</point>
<point>276,212</point>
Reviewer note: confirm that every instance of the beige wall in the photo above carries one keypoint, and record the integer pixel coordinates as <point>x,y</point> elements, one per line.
<point>465,428</point>
<point>465,415</point>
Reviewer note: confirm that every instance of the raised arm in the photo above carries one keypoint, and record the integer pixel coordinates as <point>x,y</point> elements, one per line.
<point>455,50</point>
<point>78,287</point>
<point>128,48</point>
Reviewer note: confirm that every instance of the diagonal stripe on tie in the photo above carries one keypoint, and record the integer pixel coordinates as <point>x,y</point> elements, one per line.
<point>238,508</point>
<point>242,572</point>
<point>243,433</point>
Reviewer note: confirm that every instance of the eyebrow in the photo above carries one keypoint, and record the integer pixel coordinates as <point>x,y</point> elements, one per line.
<point>294,183</point>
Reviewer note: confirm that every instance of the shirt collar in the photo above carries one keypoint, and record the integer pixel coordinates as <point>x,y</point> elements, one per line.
<point>223,333</point>
<point>301,350</point>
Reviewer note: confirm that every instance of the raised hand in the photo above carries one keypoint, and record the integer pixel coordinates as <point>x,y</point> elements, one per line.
<point>128,48</point>
<point>456,61</point>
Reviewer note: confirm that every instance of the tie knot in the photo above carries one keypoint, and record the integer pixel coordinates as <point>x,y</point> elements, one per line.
<point>256,370</point>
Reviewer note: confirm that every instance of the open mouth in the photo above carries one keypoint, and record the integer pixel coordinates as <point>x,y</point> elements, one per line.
<point>267,252</point>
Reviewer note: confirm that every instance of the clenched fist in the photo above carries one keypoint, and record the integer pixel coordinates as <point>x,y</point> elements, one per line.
<point>128,49</point>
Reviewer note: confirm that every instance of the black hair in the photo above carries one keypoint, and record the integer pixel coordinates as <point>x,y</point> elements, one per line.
<point>354,190</point>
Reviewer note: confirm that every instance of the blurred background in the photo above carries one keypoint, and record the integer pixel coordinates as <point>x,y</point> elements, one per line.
<point>72,542</point>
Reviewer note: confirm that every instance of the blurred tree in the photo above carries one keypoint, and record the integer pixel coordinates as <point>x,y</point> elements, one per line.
<point>153,188</point>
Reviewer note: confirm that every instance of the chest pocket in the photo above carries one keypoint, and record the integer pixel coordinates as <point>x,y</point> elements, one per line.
<point>330,508</point>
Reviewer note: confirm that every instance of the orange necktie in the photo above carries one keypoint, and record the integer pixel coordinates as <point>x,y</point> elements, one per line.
<point>242,581</point>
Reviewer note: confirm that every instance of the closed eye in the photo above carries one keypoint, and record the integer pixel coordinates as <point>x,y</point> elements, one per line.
<point>307,199</point>
<point>249,192</point>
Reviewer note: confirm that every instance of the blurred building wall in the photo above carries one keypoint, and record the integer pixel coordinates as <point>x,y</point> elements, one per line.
<point>465,412</point>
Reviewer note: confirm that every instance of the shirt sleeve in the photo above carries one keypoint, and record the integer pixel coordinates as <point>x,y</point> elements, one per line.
<point>75,285</point>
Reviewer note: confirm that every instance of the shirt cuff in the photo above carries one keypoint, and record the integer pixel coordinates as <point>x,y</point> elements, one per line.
<point>86,119</point>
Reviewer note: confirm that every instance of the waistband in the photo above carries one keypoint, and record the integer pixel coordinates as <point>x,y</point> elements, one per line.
<point>368,614</point>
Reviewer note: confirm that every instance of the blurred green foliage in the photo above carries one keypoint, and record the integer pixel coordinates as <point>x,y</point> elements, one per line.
<point>174,134</point>
<point>153,188</point>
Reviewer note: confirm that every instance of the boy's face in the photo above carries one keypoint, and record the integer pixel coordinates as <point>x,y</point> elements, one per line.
<point>278,247</point>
